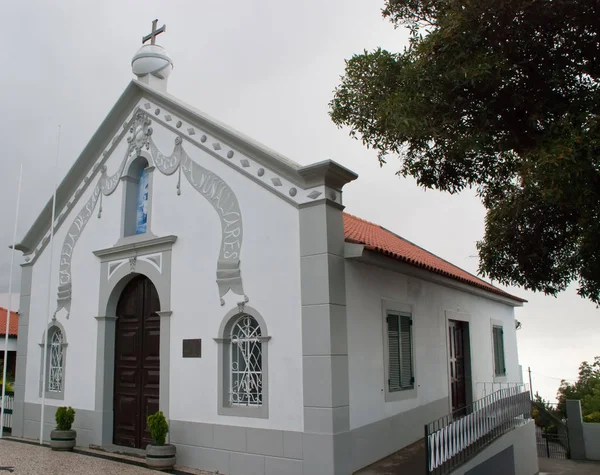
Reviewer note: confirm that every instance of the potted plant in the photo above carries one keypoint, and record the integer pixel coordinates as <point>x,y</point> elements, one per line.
<point>63,438</point>
<point>159,456</point>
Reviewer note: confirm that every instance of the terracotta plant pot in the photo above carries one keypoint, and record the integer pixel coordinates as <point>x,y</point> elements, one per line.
<point>62,439</point>
<point>160,457</point>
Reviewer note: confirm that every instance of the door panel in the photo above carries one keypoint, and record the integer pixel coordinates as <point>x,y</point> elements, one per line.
<point>456,345</point>
<point>137,362</point>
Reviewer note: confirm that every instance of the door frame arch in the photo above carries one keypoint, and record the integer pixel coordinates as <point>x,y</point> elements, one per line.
<point>118,266</point>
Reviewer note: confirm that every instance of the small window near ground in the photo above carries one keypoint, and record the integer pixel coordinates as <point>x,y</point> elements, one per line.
<point>499,363</point>
<point>400,367</point>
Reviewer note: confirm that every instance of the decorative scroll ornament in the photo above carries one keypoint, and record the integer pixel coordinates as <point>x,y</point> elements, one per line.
<point>223,200</point>
<point>141,132</point>
<point>66,253</point>
<point>211,186</point>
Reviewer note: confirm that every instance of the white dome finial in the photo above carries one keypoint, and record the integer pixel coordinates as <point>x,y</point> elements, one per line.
<point>151,64</point>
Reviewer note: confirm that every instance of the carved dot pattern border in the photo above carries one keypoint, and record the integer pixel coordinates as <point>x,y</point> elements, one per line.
<point>246,363</point>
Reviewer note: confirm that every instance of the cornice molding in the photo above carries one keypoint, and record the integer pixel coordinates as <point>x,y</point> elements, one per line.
<point>139,247</point>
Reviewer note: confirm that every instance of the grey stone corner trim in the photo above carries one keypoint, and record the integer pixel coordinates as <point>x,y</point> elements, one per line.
<point>105,318</point>
<point>327,173</point>
<point>322,201</point>
<point>151,244</point>
<point>165,313</point>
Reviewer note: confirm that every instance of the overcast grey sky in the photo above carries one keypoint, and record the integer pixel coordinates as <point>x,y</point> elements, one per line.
<point>268,69</point>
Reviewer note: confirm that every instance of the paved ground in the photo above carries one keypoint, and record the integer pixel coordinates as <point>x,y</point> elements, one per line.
<point>410,459</point>
<point>568,467</point>
<point>19,458</point>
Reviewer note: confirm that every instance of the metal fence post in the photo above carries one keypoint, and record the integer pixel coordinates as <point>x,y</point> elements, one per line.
<point>547,446</point>
<point>426,450</point>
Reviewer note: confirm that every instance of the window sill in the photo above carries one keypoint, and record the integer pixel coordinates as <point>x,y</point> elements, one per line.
<point>54,395</point>
<point>261,412</point>
<point>401,395</point>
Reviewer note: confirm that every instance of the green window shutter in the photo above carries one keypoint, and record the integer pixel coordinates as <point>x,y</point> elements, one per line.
<point>406,366</point>
<point>499,363</point>
<point>393,335</point>
<point>502,359</point>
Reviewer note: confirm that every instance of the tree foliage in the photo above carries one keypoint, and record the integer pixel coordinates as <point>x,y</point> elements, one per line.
<point>586,389</point>
<point>502,96</point>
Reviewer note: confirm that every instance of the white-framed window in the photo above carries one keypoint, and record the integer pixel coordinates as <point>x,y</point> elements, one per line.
<point>243,364</point>
<point>400,361</point>
<point>56,358</point>
<point>55,376</point>
<point>399,351</point>
<point>137,199</point>
<point>498,342</point>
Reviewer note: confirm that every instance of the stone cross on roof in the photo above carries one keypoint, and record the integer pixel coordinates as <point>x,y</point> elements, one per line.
<point>152,36</point>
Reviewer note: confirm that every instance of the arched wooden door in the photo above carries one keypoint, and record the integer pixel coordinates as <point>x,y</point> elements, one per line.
<point>137,362</point>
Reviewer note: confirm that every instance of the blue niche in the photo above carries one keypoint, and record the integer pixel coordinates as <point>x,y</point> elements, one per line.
<point>142,203</point>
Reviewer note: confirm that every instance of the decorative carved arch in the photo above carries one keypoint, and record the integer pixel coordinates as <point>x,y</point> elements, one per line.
<point>208,184</point>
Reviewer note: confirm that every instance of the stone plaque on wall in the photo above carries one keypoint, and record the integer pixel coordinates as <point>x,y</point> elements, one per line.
<point>192,348</point>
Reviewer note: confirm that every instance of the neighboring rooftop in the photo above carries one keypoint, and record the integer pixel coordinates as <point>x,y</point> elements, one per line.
<point>378,239</point>
<point>13,330</point>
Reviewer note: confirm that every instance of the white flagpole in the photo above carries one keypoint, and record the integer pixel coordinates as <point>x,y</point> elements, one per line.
<point>9,309</point>
<point>48,311</point>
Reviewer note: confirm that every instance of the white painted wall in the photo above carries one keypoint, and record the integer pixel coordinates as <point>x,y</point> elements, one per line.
<point>14,300</point>
<point>522,439</point>
<point>81,327</point>
<point>12,346</point>
<point>270,266</point>
<point>591,438</point>
<point>366,287</point>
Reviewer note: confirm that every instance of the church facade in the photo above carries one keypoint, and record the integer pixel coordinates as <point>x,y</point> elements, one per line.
<point>199,273</point>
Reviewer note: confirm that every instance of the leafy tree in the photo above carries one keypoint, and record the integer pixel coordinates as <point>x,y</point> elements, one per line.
<point>504,97</point>
<point>586,389</point>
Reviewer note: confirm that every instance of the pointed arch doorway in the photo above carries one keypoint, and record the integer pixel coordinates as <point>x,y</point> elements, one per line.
<point>137,362</point>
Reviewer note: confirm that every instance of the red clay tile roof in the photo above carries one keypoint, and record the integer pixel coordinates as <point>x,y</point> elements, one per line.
<point>378,239</point>
<point>14,323</point>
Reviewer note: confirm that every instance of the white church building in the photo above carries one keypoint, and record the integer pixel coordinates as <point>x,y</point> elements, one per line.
<point>198,272</point>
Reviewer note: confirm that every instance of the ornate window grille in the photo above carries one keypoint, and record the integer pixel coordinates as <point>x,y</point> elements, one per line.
<point>55,379</point>
<point>246,363</point>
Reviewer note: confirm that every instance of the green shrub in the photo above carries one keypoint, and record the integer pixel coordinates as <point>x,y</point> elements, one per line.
<point>65,416</point>
<point>592,417</point>
<point>9,386</point>
<point>158,427</point>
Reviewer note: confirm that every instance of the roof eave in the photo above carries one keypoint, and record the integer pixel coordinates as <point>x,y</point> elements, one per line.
<point>112,122</point>
<point>328,173</point>
<point>402,266</point>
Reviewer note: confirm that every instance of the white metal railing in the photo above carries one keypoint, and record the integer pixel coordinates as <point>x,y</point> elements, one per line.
<point>485,388</point>
<point>455,438</point>
<point>9,401</point>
